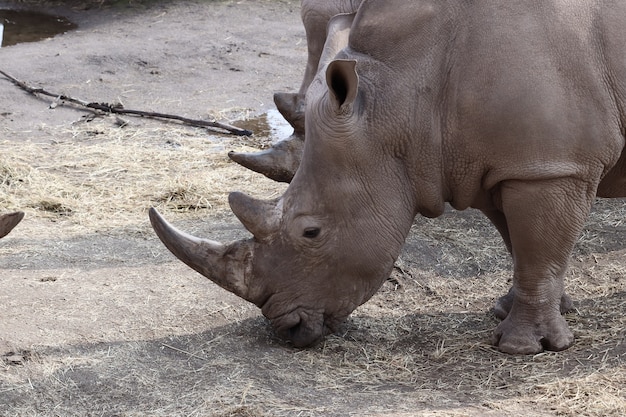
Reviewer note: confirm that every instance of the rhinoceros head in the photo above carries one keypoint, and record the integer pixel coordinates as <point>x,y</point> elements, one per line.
<point>330,241</point>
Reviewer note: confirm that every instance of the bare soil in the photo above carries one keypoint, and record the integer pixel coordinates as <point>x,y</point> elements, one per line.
<point>98,318</point>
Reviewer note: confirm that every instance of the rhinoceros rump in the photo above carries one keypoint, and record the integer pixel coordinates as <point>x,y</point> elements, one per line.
<point>9,221</point>
<point>517,109</point>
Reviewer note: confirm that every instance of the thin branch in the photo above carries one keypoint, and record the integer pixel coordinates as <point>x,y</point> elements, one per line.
<point>119,109</point>
<point>183,351</point>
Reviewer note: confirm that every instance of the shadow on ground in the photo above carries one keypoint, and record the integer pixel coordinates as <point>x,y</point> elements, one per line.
<point>424,361</point>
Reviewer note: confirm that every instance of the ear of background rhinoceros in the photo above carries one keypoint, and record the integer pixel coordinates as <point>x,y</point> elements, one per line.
<point>337,37</point>
<point>259,217</point>
<point>343,81</point>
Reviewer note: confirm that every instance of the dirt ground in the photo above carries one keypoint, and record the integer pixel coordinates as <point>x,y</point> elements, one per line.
<point>97,318</point>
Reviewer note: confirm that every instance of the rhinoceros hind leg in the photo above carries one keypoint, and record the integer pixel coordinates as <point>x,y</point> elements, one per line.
<point>279,163</point>
<point>504,304</point>
<point>9,221</point>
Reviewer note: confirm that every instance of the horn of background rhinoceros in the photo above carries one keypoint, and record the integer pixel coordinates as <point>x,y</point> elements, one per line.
<point>282,159</point>
<point>9,221</point>
<point>291,107</point>
<point>279,163</point>
<point>225,265</point>
<point>260,217</point>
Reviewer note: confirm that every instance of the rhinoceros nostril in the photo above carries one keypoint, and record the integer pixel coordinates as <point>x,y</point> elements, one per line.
<point>295,331</point>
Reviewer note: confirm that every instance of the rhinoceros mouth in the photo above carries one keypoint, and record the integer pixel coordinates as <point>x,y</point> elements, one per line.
<point>302,327</point>
<point>305,327</point>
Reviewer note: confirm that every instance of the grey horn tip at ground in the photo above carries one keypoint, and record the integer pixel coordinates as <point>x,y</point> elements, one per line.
<point>9,221</point>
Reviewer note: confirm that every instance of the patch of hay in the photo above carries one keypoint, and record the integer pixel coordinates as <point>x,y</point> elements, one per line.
<point>184,197</point>
<point>600,394</point>
<point>241,411</point>
<point>107,177</point>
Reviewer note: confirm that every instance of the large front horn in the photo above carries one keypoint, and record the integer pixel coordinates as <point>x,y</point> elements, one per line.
<point>9,221</point>
<point>229,266</point>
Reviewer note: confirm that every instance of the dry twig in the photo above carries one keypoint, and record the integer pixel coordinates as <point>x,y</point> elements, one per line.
<point>119,109</point>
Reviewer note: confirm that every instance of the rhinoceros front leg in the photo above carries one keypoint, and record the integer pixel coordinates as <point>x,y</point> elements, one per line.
<point>504,303</point>
<point>544,220</point>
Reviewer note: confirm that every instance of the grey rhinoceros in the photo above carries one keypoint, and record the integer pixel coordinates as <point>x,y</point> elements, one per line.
<point>9,221</point>
<point>516,108</point>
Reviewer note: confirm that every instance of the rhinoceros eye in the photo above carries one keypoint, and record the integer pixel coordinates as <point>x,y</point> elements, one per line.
<point>311,232</point>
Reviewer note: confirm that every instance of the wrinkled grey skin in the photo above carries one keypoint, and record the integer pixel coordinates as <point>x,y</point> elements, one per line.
<point>9,221</point>
<point>513,108</point>
<point>325,37</point>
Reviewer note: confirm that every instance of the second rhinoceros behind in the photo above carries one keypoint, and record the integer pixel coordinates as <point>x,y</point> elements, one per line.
<point>516,108</point>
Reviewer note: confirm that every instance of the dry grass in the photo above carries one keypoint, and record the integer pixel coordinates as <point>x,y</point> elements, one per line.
<point>102,321</point>
<point>102,176</point>
<point>421,346</point>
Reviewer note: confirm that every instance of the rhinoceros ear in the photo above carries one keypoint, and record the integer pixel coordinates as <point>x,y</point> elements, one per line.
<point>343,81</point>
<point>259,217</point>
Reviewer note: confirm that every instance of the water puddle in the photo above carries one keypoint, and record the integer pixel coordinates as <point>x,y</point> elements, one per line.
<point>270,124</point>
<point>17,26</point>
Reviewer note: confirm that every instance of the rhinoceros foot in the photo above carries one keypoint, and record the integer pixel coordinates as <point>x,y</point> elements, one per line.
<point>504,304</point>
<point>291,107</point>
<point>531,329</point>
<point>278,163</point>
<point>9,221</point>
